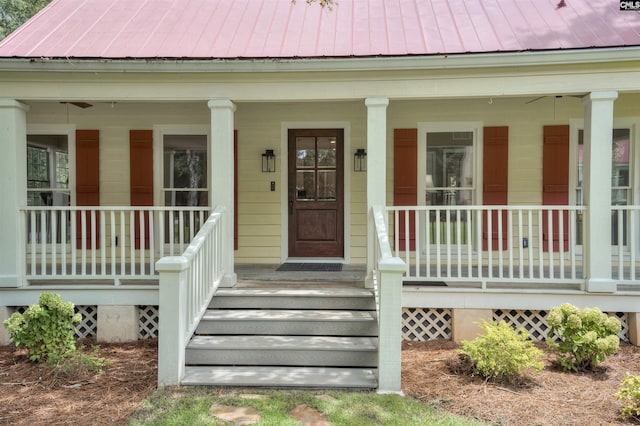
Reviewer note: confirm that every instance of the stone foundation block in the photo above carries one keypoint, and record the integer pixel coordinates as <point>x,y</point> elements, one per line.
<point>633,319</point>
<point>463,323</point>
<point>5,313</point>
<point>117,323</point>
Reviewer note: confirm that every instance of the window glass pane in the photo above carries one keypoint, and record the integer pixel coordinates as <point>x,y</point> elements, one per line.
<point>305,185</point>
<point>62,169</point>
<point>326,184</point>
<point>185,170</point>
<point>186,198</point>
<point>621,145</point>
<point>37,167</point>
<point>449,167</point>
<point>327,152</point>
<point>185,161</point>
<point>47,170</point>
<point>305,152</point>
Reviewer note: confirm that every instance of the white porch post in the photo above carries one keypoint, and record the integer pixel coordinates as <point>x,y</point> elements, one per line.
<point>376,169</point>
<point>13,191</point>
<point>172,335</point>
<point>221,160</point>
<point>598,130</point>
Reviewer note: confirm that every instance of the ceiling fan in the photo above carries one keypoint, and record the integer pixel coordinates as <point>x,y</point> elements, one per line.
<point>83,105</point>
<point>530,101</point>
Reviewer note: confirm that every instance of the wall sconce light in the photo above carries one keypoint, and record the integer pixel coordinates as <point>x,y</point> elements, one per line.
<point>360,160</point>
<point>268,161</point>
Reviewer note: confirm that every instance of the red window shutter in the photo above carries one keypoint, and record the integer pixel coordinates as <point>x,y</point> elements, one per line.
<point>87,182</point>
<point>555,182</point>
<point>141,178</point>
<point>405,179</point>
<point>495,182</point>
<point>235,190</point>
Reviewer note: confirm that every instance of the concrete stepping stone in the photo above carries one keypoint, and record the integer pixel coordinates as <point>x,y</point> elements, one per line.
<point>308,416</point>
<point>236,415</point>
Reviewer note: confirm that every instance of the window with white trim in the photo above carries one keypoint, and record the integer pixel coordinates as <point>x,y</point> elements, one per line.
<point>48,170</point>
<point>448,169</point>
<point>449,176</point>
<point>185,170</point>
<point>622,175</point>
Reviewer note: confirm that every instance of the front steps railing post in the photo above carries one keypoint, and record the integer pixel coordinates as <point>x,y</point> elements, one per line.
<point>171,338</point>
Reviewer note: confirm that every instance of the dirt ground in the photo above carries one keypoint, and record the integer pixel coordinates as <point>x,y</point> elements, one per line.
<point>551,397</point>
<point>31,394</point>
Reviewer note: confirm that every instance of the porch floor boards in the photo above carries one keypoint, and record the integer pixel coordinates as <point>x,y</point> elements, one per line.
<point>265,276</point>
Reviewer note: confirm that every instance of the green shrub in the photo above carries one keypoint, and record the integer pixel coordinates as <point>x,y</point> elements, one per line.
<point>581,338</point>
<point>629,394</point>
<point>45,329</point>
<point>502,353</point>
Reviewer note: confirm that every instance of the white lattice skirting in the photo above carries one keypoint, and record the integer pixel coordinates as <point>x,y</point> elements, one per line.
<point>420,324</point>
<point>148,321</point>
<point>88,327</point>
<point>535,322</point>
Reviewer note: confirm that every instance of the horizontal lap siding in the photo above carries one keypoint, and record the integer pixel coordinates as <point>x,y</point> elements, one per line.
<point>261,210</point>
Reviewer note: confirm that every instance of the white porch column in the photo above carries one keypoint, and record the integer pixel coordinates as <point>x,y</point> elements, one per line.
<point>376,169</point>
<point>13,191</point>
<point>598,131</point>
<point>221,158</point>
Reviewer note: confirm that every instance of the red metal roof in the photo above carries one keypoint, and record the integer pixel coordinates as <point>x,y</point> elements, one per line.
<point>352,28</point>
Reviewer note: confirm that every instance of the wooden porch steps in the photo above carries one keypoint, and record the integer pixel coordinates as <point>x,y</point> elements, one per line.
<point>290,336</point>
<point>278,377</point>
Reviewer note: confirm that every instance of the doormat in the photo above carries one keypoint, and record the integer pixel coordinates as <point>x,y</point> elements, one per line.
<point>310,267</point>
<point>425,283</point>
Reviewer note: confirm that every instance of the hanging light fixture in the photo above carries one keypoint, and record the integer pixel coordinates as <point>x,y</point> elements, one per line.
<point>268,161</point>
<point>360,160</point>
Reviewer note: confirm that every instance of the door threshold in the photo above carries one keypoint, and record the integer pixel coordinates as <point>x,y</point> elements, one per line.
<point>315,260</point>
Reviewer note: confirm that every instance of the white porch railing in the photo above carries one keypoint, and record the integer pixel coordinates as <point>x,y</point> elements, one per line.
<point>625,226</point>
<point>489,243</point>
<point>387,281</point>
<point>105,243</point>
<point>187,284</point>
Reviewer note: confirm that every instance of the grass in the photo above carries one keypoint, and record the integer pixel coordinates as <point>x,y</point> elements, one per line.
<point>180,406</point>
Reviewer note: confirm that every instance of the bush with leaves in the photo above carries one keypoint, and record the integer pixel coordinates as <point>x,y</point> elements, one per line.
<point>629,395</point>
<point>581,338</point>
<point>502,353</point>
<point>45,329</point>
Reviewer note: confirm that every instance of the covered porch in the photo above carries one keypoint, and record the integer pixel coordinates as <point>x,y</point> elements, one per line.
<point>455,256</point>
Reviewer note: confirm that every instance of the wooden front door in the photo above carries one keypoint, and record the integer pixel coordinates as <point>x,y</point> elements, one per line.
<point>316,206</point>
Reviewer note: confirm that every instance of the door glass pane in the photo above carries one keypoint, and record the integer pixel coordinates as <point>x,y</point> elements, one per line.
<point>305,185</point>
<point>327,152</point>
<point>305,152</point>
<point>326,184</point>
